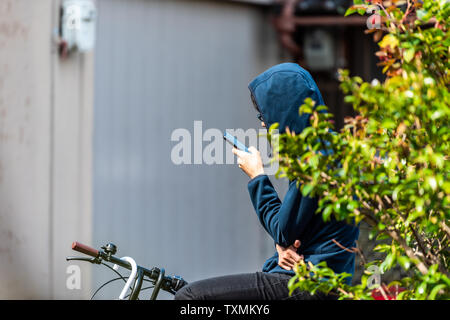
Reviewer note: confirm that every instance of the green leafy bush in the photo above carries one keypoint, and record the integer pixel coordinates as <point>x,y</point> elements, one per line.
<point>389,165</point>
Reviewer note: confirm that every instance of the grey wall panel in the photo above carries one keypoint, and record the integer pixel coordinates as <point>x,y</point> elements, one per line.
<point>161,65</point>
<point>46,105</point>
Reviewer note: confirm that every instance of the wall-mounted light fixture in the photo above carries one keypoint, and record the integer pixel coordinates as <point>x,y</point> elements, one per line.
<point>319,50</point>
<point>77,26</point>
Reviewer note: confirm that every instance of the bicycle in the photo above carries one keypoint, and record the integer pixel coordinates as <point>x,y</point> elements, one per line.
<point>138,274</point>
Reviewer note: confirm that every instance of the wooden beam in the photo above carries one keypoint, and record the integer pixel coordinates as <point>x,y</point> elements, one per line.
<point>330,21</point>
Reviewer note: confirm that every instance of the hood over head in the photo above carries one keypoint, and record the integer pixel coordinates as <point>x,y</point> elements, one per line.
<point>280,91</point>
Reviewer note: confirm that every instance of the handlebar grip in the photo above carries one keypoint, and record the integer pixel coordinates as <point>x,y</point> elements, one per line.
<point>84,249</point>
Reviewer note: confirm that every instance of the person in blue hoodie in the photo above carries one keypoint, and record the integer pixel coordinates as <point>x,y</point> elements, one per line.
<point>297,230</point>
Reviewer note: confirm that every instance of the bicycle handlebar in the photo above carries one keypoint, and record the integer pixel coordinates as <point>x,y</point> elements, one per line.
<point>167,283</point>
<point>85,249</point>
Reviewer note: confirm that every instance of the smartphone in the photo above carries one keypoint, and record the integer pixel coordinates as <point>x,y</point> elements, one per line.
<point>235,142</point>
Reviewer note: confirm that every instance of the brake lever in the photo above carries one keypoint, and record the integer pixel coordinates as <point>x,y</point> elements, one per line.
<point>91,260</point>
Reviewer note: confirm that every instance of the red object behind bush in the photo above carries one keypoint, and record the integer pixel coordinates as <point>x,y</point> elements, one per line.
<point>389,293</point>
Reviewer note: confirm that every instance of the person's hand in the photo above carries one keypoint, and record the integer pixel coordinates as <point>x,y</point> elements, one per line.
<point>250,163</point>
<point>288,257</point>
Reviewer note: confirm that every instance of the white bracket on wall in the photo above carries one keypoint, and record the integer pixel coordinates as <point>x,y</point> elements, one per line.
<point>77,26</point>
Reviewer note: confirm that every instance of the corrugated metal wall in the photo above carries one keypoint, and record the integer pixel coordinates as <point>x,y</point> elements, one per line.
<point>161,65</point>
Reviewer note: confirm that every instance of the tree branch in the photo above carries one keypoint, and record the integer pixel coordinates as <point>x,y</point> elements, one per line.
<point>394,234</point>
<point>421,245</point>
<point>445,228</point>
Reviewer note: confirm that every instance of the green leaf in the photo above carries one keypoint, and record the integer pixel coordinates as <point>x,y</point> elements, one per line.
<point>350,11</point>
<point>409,54</point>
<point>404,262</point>
<point>361,11</point>
<point>421,289</point>
<point>327,212</point>
<point>389,40</point>
<point>388,262</point>
<point>306,189</point>
<point>424,15</point>
<point>435,291</point>
<point>382,247</point>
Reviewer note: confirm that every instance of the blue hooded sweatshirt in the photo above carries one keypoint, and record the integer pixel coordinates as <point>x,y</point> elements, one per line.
<point>278,93</point>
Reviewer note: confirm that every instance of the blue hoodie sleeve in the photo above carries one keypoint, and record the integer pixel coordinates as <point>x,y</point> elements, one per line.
<point>284,221</point>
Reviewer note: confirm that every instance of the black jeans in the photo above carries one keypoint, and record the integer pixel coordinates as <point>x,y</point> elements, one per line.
<point>247,286</point>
